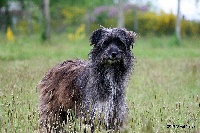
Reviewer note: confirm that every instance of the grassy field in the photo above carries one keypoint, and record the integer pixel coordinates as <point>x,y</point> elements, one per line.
<point>163,94</point>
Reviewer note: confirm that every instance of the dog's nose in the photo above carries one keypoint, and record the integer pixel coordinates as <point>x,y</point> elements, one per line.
<point>114,54</point>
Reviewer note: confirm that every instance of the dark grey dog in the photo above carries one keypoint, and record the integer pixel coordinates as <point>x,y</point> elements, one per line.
<point>93,90</point>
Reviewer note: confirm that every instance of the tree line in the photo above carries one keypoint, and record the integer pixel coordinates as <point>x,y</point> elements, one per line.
<point>72,13</point>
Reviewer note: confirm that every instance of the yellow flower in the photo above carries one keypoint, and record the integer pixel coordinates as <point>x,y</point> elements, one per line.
<point>9,35</point>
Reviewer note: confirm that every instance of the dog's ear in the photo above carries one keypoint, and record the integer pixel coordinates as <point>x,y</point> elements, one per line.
<point>127,37</point>
<point>99,36</point>
<point>130,38</point>
<point>96,36</point>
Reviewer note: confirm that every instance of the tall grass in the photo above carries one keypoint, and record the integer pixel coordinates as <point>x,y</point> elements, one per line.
<point>164,88</point>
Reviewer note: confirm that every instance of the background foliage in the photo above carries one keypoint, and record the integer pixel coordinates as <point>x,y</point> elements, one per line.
<point>67,16</point>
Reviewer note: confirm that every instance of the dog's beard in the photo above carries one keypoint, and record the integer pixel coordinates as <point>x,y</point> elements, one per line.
<point>110,61</point>
<point>105,60</point>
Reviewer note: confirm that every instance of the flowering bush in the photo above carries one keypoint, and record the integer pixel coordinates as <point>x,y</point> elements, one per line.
<point>189,28</point>
<point>147,22</point>
<point>79,33</point>
<point>165,23</point>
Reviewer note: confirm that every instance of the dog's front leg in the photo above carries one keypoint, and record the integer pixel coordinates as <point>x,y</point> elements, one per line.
<point>88,117</point>
<point>116,122</point>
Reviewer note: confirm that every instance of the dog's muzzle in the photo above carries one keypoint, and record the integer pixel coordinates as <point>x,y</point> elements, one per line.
<point>113,57</point>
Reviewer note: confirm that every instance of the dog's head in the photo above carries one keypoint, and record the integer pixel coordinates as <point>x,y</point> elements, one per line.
<point>111,45</point>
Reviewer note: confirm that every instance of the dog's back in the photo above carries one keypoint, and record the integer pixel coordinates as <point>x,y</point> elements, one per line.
<point>58,92</point>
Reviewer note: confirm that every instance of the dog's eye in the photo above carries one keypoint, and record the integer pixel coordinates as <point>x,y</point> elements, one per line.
<point>106,44</point>
<point>121,45</point>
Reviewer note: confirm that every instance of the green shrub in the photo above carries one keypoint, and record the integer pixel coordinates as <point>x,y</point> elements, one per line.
<point>24,28</point>
<point>73,15</point>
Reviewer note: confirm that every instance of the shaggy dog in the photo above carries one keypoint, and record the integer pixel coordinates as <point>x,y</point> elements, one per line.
<point>92,90</point>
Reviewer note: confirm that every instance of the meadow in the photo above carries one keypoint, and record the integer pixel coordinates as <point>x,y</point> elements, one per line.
<point>163,94</point>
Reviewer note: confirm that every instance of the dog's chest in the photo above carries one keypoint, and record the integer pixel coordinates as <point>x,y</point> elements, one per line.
<point>101,92</point>
<point>105,109</point>
<point>105,105</point>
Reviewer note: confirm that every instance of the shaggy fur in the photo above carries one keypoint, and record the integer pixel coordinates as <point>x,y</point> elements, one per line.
<point>92,90</point>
